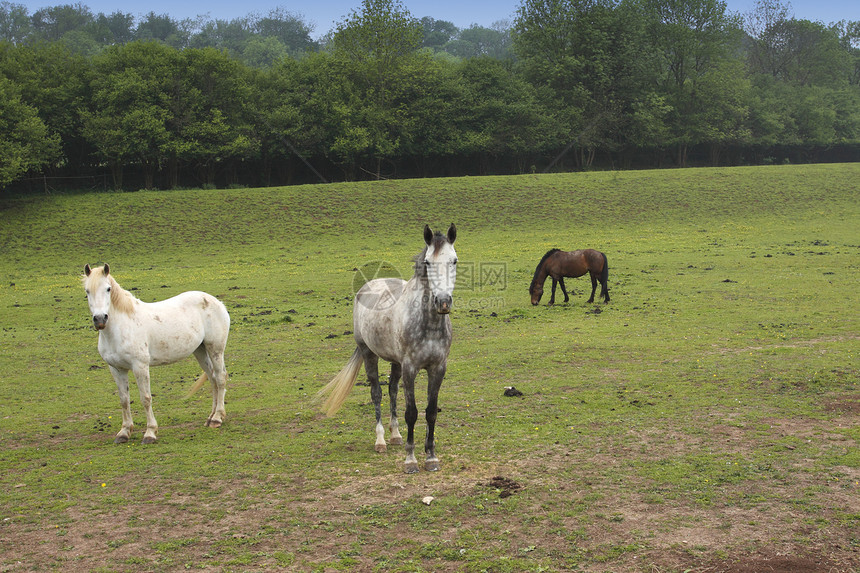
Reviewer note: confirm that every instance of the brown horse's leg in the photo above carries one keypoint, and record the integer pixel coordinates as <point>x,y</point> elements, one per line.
<point>563,290</point>
<point>552,298</point>
<point>593,285</point>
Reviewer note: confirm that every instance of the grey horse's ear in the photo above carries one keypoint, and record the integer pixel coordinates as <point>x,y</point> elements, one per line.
<point>428,235</point>
<point>107,269</point>
<point>452,233</point>
<point>87,269</point>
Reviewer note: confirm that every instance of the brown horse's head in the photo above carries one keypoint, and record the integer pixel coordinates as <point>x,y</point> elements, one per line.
<point>536,290</point>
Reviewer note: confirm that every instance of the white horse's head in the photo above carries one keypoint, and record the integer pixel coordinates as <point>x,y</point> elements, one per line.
<point>440,262</point>
<point>98,284</point>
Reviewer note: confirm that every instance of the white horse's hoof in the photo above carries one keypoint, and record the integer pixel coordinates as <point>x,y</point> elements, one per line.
<point>120,439</point>
<point>381,448</point>
<point>396,441</point>
<point>149,440</point>
<point>431,465</point>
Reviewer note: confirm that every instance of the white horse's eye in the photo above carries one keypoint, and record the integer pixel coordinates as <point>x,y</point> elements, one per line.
<point>108,289</point>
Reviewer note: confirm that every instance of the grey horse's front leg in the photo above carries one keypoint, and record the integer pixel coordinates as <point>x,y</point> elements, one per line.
<point>409,373</point>
<point>435,376</point>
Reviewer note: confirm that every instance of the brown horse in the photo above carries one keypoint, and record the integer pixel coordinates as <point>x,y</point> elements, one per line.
<point>559,264</point>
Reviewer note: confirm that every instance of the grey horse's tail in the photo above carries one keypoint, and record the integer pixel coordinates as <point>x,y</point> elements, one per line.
<point>339,387</point>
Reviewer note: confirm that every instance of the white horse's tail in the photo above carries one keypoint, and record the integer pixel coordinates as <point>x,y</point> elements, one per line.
<point>200,382</point>
<point>339,387</point>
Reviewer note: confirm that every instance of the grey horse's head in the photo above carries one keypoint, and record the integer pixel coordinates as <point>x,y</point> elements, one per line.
<point>439,263</point>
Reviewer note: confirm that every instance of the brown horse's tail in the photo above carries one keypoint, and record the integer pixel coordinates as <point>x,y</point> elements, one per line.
<point>339,387</point>
<point>604,277</point>
<point>200,381</point>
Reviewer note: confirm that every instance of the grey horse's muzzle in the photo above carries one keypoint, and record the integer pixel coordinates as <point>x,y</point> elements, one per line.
<point>100,321</point>
<point>443,303</point>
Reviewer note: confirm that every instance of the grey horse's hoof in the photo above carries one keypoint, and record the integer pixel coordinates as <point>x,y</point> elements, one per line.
<point>120,439</point>
<point>381,448</point>
<point>148,440</point>
<point>431,465</point>
<point>396,441</point>
<point>411,468</point>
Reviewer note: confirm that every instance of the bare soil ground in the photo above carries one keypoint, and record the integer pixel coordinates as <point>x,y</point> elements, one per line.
<point>771,533</point>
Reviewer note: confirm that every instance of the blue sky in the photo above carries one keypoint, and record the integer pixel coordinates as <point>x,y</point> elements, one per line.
<point>324,14</point>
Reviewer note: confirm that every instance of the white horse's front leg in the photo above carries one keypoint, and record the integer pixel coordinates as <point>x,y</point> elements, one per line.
<point>121,379</point>
<point>141,375</point>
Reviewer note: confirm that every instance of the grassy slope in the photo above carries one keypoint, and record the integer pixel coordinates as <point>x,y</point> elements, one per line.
<point>716,396</point>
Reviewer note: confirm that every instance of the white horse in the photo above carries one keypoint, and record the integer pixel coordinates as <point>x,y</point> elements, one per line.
<point>134,335</point>
<point>407,324</point>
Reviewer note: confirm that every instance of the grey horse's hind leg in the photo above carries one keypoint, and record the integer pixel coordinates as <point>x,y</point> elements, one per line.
<point>371,367</point>
<point>393,382</point>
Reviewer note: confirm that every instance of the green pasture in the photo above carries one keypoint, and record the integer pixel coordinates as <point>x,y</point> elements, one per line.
<point>708,413</point>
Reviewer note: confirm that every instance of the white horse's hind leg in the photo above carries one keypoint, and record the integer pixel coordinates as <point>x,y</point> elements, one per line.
<point>212,363</point>
<point>141,376</point>
<point>121,379</point>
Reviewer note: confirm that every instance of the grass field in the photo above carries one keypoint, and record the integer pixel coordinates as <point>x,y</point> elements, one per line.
<point>704,420</point>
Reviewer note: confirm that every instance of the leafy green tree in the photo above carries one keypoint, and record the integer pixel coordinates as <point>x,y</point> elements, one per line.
<point>374,44</point>
<point>163,28</point>
<point>53,81</point>
<point>692,39</point>
<point>587,58</point>
<point>303,104</point>
<point>480,41</point>
<point>53,23</point>
<point>15,26</point>
<point>209,122</point>
<point>289,29</point>
<point>231,35</point>
<point>129,114</point>
<point>437,33</point>
<point>498,114</point>
<point>25,142</point>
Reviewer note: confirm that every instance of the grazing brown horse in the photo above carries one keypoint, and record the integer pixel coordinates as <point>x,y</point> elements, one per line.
<point>559,264</point>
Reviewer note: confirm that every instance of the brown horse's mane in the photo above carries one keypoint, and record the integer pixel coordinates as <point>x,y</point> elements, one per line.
<point>548,254</point>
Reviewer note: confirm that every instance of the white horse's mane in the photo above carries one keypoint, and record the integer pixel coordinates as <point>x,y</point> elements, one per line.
<point>120,299</point>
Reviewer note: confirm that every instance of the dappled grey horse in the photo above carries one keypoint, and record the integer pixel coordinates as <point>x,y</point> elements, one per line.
<point>406,323</point>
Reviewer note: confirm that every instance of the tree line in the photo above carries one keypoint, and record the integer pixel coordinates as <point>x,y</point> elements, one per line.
<point>568,84</point>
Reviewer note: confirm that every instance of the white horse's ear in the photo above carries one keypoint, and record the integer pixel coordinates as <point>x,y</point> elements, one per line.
<point>452,233</point>
<point>87,269</point>
<point>428,235</point>
<point>107,269</point>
